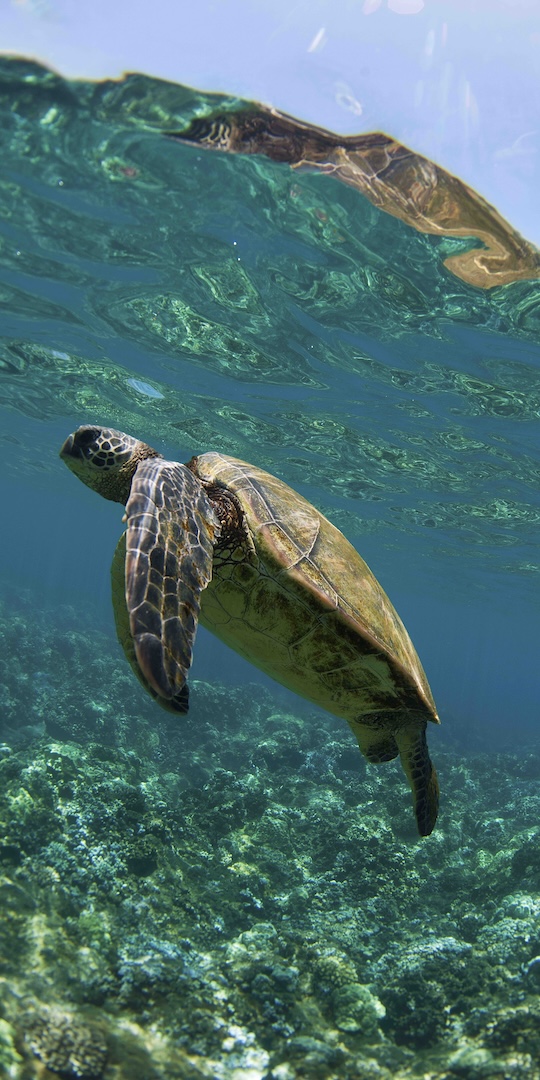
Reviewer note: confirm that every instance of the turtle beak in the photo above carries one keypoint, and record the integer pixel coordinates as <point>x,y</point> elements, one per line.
<point>67,449</point>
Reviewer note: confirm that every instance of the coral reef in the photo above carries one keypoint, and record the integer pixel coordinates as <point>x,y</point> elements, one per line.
<point>236,894</point>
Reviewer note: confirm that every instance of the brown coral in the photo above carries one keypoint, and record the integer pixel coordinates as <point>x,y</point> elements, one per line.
<point>66,1043</point>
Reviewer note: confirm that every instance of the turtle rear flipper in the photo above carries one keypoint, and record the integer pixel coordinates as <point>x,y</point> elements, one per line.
<point>377,746</point>
<point>171,530</point>
<point>422,776</point>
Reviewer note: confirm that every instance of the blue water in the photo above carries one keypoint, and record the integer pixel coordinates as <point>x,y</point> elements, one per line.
<point>203,302</point>
<point>235,892</point>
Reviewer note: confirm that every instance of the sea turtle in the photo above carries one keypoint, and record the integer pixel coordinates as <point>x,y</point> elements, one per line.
<point>224,542</point>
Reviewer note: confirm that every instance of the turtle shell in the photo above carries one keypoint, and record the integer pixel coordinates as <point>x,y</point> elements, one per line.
<point>304,606</point>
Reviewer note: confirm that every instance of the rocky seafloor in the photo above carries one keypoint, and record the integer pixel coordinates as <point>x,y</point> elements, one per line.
<point>236,895</point>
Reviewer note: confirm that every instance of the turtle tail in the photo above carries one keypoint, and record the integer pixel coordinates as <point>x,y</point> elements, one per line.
<point>422,776</point>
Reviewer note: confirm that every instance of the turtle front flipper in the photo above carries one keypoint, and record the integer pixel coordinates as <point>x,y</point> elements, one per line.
<point>421,773</point>
<point>178,704</point>
<point>171,531</point>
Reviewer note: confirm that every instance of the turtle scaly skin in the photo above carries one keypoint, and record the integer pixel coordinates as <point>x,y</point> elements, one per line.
<point>222,542</point>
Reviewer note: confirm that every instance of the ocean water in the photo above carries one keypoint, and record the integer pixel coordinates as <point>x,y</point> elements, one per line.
<point>236,894</point>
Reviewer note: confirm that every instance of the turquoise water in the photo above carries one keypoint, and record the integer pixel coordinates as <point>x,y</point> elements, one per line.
<point>202,301</point>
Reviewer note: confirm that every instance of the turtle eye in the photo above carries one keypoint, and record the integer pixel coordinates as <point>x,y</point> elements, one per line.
<point>87,436</point>
<point>87,441</point>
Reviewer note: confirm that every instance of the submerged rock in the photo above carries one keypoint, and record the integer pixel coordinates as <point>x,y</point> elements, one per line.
<point>225,896</point>
<point>66,1043</point>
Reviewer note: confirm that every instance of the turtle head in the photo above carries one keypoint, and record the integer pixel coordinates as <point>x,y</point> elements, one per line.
<point>105,459</point>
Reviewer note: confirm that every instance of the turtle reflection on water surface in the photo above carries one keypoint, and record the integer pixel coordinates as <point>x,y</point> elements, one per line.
<point>220,541</point>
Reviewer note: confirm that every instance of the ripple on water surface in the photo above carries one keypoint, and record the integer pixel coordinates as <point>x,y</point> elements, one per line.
<point>226,300</point>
